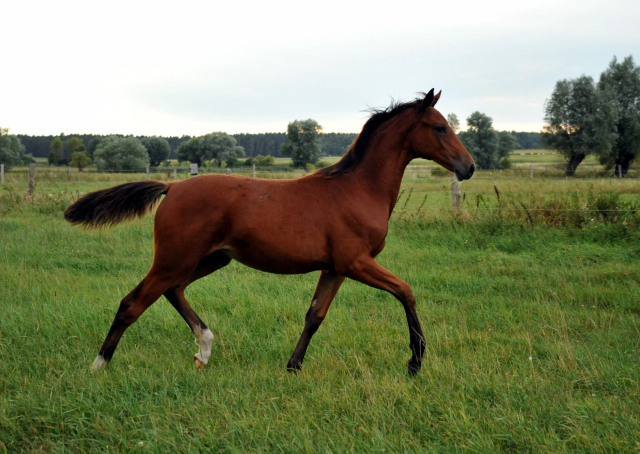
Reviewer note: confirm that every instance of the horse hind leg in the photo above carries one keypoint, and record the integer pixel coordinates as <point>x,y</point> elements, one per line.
<point>175,295</point>
<point>131,307</point>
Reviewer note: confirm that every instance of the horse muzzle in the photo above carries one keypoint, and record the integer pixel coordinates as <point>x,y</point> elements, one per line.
<point>464,173</point>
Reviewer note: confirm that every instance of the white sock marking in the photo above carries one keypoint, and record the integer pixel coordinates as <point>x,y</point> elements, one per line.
<point>204,340</point>
<point>99,363</point>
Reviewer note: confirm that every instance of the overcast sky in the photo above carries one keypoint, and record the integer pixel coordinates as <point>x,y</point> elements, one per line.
<point>188,67</point>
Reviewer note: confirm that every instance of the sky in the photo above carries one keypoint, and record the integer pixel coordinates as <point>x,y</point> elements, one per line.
<point>194,67</point>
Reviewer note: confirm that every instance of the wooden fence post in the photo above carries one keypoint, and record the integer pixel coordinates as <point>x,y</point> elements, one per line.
<point>2,173</point>
<point>148,177</point>
<point>194,170</point>
<point>531,170</point>
<point>455,191</point>
<point>254,171</point>
<point>619,171</point>
<point>32,179</point>
<point>175,173</point>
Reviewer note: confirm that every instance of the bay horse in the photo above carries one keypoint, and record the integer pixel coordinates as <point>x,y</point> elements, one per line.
<point>334,220</point>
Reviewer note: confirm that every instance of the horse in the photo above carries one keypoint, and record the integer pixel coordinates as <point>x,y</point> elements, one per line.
<point>334,220</point>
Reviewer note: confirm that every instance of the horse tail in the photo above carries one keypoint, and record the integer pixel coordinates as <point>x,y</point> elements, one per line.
<point>120,203</point>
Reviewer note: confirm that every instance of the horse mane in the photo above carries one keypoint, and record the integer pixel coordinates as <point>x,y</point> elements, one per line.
<point>357,150</point>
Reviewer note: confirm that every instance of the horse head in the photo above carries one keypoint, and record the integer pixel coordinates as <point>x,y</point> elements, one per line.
<point>433,139</point>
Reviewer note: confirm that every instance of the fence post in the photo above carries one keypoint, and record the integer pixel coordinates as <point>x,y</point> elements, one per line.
<point>148,177</point>
<point>2,173</point>
<point>32,179</point>
<point>531,170</point>
<point>254,171</point>
<point>69,171</point>
<point>175,173</point>
<point>194,170</point>
<point>455,191</point>
<point>619,171</point>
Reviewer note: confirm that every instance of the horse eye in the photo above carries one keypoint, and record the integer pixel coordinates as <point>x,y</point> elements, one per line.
<point>441,129</point>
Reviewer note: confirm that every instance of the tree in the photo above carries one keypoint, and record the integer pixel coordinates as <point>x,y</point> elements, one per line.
<point>74,144</point>
<point>507,143</point>
<point>158,149</point>
<point>220,146</point>
<point>190,151</point>
<point>304,146</point>
<point>453,121</point>
<point>11,149</point>
<point>623,79</point>
<point>79,159</point>
<point>216,145</point>
<point>55,153</point>
<point>482,141</point>
<point>580,120</point>
<point>120,153</point>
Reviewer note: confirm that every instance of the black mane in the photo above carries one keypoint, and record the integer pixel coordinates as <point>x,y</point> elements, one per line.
<point>356,151</point>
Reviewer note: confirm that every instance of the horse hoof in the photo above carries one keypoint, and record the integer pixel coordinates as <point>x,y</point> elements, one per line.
<point>99,363</point>
<point>291,367</point>
<point>199,364</point>
<point>413,367</point>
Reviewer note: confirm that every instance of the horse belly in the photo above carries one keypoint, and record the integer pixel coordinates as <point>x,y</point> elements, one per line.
<point>280,255</point>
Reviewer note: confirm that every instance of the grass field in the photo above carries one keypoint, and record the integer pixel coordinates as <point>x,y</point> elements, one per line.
<point>531,321</point>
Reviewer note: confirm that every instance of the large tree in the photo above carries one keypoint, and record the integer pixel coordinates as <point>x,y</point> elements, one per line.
<point>74,144</point>
<point>11,149</point>
<point>482,141</point>
<point>580,120</point>
<point>190,151</point>
<point>221,147</point>
<point>158,149</point>
<point>304,144</point>
<point>216,145</point>
<point>623,80</point>
<point>508,143</point>
<point>120,153</point>
<point>453,121</point>
<point>55,151</point>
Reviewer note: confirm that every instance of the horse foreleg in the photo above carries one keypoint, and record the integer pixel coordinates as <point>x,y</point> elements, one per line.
<point>326,290</point>
<point>369,272</point>
<point>131,307</point>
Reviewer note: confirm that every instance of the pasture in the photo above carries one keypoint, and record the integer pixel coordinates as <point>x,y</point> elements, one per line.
<point>527,298</point>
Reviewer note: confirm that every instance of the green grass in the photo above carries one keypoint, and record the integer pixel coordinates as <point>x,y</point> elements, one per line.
<point>493,291</point>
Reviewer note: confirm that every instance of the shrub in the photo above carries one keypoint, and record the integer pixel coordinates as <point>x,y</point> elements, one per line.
<point>439,172</point>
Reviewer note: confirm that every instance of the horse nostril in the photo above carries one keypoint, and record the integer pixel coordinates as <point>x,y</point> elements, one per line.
<point>471,170</point>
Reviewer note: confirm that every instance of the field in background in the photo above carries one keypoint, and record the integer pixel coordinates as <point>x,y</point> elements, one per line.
<point>530,317</point>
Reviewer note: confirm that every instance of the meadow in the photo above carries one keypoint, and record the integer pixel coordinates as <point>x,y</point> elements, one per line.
<point>528,297</point>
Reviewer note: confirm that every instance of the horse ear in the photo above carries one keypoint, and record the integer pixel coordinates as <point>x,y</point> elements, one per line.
<point>435,99</point>
<point>427,101</point>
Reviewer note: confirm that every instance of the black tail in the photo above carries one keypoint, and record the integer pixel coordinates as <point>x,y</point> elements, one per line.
<point>111,206</point>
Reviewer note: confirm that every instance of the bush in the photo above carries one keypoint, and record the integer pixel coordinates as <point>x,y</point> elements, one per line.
<point>505,163</point>
<point>232,161</point>
<point>28,159</point>
<point>264,160</point>
<point>439,172</point>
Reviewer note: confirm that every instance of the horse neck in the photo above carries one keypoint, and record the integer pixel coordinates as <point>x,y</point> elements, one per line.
<point>386,158</point>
